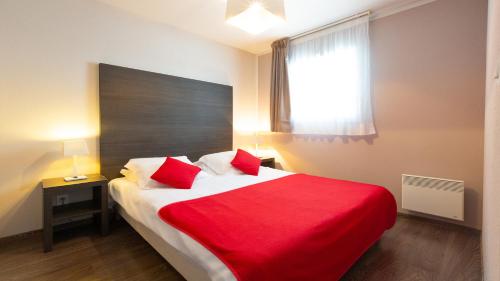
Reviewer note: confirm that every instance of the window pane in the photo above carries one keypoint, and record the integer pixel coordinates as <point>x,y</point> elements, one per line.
<point>329,84</point>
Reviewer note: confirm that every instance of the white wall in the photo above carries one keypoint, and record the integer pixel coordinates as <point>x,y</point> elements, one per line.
<point>491,210</point>
<point>49,51</point>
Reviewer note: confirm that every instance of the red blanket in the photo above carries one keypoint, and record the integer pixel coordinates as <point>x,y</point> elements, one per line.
<point>298,227</point>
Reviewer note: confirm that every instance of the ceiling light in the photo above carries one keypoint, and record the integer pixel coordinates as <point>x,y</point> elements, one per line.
<point>255,16</point>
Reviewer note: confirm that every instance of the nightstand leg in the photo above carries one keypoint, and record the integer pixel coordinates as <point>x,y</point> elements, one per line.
<point>47,222</point>
<point>104,210</point>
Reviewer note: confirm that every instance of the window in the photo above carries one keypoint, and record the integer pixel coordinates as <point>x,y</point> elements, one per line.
<point>329,77</point>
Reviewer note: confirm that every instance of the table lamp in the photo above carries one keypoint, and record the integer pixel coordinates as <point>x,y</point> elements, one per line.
<point>75,148</point>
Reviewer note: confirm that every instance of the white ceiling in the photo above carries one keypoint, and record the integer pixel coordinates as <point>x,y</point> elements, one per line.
<point>206,17</point>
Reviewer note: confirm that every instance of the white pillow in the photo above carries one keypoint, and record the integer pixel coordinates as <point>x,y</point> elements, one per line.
<point>137,163</point>
<point>129,175</point>
<point>205,168</point>
<point>218,163</point>
<point>142,168</point>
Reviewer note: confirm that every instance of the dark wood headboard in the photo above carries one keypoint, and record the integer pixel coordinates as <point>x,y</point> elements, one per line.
<point>146,114</point>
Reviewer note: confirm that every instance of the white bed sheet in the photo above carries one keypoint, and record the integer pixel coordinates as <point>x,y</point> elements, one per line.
<point>143,205</point>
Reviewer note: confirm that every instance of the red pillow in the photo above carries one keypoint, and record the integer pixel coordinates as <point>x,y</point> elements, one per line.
<point>246,162</point>
<point>176,173</point>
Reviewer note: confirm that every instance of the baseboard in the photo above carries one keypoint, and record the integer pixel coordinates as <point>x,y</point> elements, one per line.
<point>437,220</point>
<point>32,233</point>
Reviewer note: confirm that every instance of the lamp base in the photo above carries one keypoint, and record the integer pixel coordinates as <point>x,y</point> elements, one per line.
<point>76,178</point>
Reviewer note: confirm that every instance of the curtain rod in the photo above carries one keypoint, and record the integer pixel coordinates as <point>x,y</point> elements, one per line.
<point>353,17</point>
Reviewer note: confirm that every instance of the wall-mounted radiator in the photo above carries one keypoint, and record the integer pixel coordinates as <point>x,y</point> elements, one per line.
<point>440,197</point>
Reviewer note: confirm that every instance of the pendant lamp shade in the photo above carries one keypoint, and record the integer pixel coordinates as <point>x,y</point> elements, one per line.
<point>255,16</point>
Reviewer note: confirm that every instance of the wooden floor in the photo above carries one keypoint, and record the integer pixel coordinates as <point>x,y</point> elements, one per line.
<point>415,249</point>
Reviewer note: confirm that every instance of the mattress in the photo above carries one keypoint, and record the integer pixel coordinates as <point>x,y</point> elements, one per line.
<point>144,204</point>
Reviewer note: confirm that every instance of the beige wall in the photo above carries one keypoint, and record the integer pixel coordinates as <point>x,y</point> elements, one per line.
<point>49,52</point>
<point>428,69</point>
<point>491,214</point>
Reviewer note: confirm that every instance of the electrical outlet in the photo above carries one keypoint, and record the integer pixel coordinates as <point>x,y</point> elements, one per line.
<point>62,199</point>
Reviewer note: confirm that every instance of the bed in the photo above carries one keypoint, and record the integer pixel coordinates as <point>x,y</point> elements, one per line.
<point>140,206</point>
<point>146,114</point>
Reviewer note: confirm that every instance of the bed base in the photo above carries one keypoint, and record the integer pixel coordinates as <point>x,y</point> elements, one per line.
<point>183,264</point>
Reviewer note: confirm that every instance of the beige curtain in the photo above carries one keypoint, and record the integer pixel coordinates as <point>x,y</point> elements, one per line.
<point>280,95</point>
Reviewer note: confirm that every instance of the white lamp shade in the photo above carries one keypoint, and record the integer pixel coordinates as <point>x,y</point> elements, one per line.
<point>255,16</point>
<point>236,7</point>
<point>75,148</point>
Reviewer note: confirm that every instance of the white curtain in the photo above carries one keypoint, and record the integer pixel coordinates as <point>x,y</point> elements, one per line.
<point>329,76</point>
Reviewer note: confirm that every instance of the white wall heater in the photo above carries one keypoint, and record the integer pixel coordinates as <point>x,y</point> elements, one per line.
<point>440,197</point>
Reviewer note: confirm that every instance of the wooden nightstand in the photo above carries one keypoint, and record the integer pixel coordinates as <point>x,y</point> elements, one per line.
<point>57,216</point>
<point>268,162</point>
